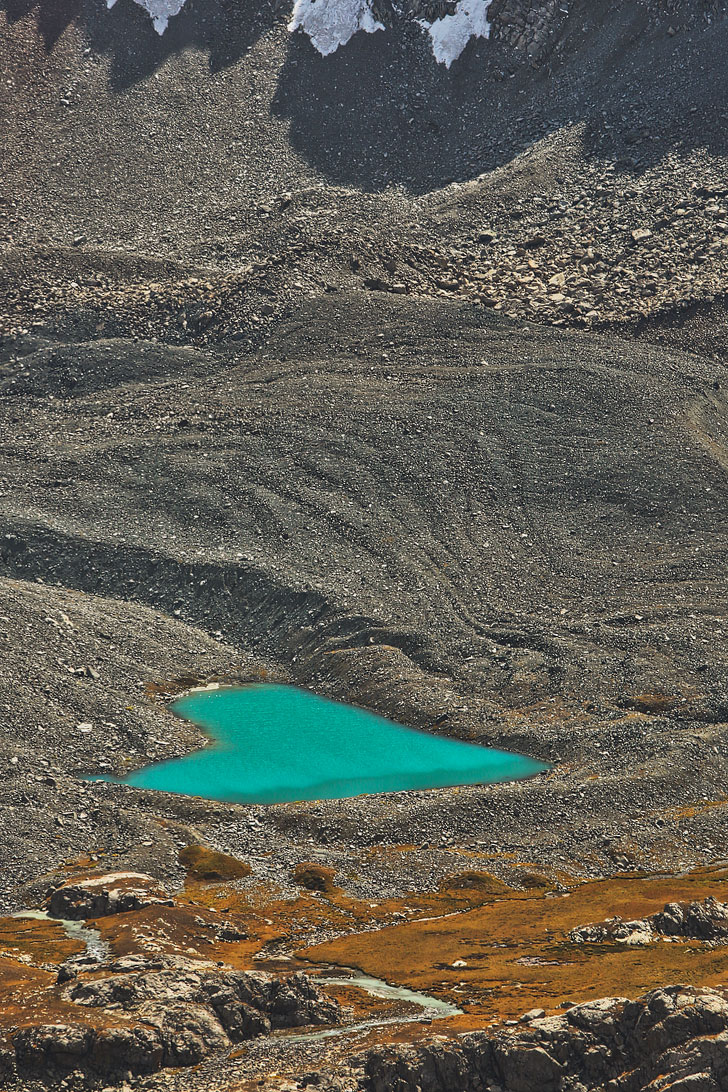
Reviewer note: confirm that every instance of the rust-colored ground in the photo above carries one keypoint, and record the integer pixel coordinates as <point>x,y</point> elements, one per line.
<point>36,941</point>
<point>514,944</point>
<point>493,951</point>
<point>516,952</point>
<point>29,952</point>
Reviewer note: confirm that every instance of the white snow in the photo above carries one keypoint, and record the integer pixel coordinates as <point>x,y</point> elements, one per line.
<point>161,11</point>
<point>451,34</point>
<point>331,23</point>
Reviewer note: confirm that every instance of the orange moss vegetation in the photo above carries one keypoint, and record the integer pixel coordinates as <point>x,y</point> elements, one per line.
<point>26,989</point>
<point>166,688</point>
<point>514,953</point>
<point>473,882</point>
<point>84,866</point>
<point>29,995</point>
<point>170,688</point>
<point>191,927</point>
<point>19,981</point>
<point>22,993</point>
<point>205,865</point>
<point>545,710</point>
<point>36,941</point>
<point>530,879</point>
<point>493,951</point>
<point>363,1005</point>
<point>271,921</point>
<point>651,703</point>
<point>692,810</point>
<point>172,930</point>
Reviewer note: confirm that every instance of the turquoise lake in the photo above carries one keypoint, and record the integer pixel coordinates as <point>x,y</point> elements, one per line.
<point>271,744</point>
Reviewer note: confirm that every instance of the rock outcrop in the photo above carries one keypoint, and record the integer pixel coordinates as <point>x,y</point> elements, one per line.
<point>677,1035</point>
<point>526,25</point>
<point>113,893</point>
<point>706,920</point>
<point>165,1011</point>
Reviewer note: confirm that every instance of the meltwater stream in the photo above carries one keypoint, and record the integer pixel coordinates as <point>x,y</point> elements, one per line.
<point>430,1008</point>
<point>96,948</point>
<point>272,744</point>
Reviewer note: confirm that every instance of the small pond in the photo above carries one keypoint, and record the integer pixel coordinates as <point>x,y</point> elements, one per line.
<point>271,744</point>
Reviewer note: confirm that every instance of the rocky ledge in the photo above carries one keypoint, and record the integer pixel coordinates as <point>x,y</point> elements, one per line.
<point>140,1014</point>
<point>526,25</point>
<point>99,896</point>
<point>706,920</point>
<point>675,1037</point>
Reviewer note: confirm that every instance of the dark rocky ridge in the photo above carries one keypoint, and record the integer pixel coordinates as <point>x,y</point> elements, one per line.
<point>672,1038</point>
<point>288,172</point>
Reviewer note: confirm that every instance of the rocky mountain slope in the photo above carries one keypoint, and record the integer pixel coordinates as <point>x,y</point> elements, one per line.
<point>406,383</point>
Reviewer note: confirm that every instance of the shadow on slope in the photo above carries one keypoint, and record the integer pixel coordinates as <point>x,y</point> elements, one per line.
<point>224,29</point>
<point>381,112</point>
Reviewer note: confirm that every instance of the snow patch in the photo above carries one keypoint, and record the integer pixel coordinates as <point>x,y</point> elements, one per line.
<point>161,11</point>
<point>451,34</point>
<point>331,23</point>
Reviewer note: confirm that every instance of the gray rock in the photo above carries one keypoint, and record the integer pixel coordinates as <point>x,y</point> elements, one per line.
<point>678,1035</point>
<point>706,920</point>
<point>98,896</point>
<point>186,1010</point>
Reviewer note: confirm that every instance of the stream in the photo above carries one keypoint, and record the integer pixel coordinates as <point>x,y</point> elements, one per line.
<point>432,1008</point>
<point>96,948</point>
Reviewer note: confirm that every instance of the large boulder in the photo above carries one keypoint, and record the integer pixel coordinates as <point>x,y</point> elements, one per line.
<point>706,920</point>
<point>113,893</point>
<point>165,1011</point>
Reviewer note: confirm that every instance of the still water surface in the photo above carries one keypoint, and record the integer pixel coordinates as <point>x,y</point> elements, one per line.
<point>271,744</point>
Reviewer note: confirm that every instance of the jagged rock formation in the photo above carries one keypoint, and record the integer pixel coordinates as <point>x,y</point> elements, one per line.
<point>97,896</point>
<point>676,1037</point>
<point>527,25</point>
<point>524,24</point>
<point>163,1011</point>
<point>707,920</point>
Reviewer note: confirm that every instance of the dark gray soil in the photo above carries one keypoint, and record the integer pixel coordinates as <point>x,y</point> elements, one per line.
<point>512,535</point>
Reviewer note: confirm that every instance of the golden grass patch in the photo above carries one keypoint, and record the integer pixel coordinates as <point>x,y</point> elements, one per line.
<point>514,952</point>
<point>204,865</point>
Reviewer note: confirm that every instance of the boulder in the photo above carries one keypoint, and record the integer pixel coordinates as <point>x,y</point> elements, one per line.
<point>113,893</point>
<point>706,920</point>
<point>163,1011</point>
